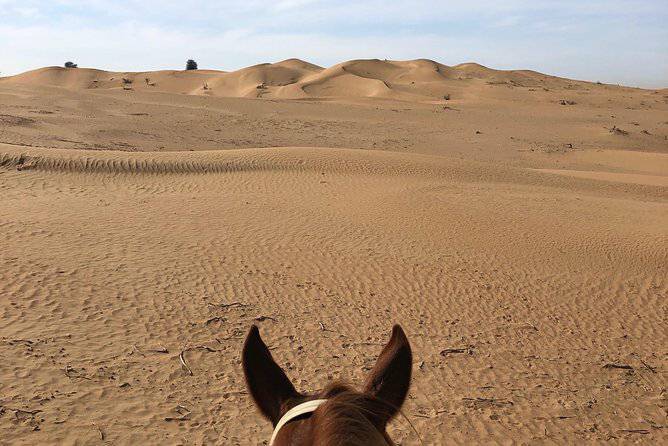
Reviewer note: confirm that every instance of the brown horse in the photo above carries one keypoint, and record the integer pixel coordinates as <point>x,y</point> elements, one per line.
<point>338,415</point>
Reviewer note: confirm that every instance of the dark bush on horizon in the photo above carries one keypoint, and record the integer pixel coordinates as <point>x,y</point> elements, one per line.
<point>191,65</point>
<point>70,65</point>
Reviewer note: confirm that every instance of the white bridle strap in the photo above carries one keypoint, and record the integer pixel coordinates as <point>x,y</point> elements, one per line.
<point>299,409</point>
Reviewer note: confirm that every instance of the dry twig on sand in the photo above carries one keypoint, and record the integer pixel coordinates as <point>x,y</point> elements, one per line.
<point>183,363</point>
<point>479,402</point>
<point>182,356</point>
<point>613,365</point>
<point>19,412</point>
<point>634,431</point>
<point>457,350</point>
<point>99,430</point>
<point>158,350</point>
<point>649,367</point>
<point>71,372</point>
<point>231,304</point>
<point>203,347</point>
<point>184,413</point>
<point>449,351</point>
<point>617,131</point>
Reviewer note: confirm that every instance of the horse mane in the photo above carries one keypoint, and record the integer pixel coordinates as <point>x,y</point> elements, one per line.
<point>350,418</point>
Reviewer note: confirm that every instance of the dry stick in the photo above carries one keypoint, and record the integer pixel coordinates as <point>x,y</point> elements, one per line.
<point>323,328</point>
<point>493,401</point>
<point>185,417</point>
<point>227,338</point>
<point>649,367</point>
<point>135,349</point>
<point>449,351</point>
<point>412,427</point>
<point>237,392</point>
<point>183,362</point>
<point>201,347</point>
<point>647,381</point>
<point>176,418</point>
<point>204,347</point>
<point>29,412</point>
<point>69,369</point>
<point>613,365</point>
<point>231,304</point>
<point>16,341</point>
<point>181,410</point>
<point>158,350</point>
<point>100,431</point>
<point>151,350</point>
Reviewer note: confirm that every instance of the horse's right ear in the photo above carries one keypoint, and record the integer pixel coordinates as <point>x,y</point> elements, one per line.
<point>265,380</point>
<point>390,378</point>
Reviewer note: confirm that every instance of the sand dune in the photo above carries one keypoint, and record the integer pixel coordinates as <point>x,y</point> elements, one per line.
<point>292,79</point>
<point>517,231</point>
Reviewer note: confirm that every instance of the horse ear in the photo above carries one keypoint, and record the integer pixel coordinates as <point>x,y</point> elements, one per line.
<point>265,380</point>
<point>390,378</point>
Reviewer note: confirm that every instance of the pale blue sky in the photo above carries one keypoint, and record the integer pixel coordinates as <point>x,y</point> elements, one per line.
<point>617,41</point>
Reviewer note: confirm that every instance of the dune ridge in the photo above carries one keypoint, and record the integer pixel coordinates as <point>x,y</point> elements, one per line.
<point>416,80</point>
<point>315,160</point>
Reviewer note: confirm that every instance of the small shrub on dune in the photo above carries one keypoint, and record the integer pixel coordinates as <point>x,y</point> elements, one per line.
<point>70,65</point>
<point>191,65</point>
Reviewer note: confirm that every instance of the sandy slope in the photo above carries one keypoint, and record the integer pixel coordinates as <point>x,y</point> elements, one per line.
<point>545,264</point>
<point>413,80</point>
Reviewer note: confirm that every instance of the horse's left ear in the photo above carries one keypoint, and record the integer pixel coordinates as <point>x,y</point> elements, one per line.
<point>265,379</point>
<point>390,378</point>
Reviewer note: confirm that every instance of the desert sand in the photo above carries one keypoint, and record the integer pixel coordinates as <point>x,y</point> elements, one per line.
<point>514,223</point>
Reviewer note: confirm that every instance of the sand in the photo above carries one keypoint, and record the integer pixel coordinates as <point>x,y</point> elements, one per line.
<point>144,222</point>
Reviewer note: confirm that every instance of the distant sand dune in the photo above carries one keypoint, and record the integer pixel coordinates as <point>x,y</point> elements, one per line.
<point>420,79</point>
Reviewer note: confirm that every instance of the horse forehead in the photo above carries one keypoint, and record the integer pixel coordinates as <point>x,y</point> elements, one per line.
<point>296,433</point>
<point>296,421</point>
<point>309,431</point>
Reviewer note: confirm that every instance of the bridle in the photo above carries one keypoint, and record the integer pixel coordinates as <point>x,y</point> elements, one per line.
<point>298,410</point>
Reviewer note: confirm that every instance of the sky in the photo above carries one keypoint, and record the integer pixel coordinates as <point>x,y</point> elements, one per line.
<point>612,41</point>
